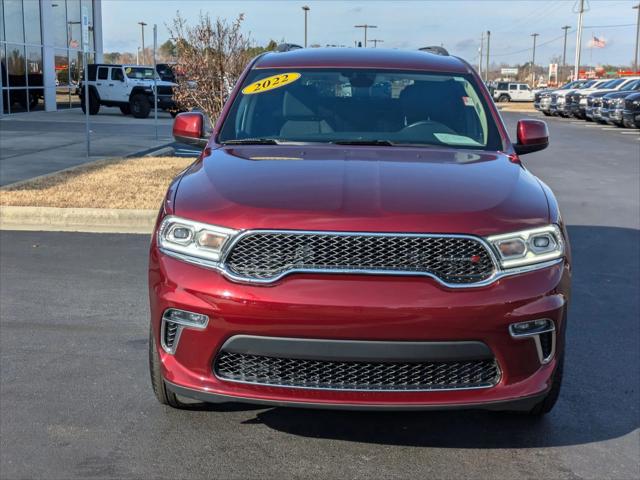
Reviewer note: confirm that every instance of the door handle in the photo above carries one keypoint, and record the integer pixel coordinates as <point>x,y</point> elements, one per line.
<point>111,84</point>
<point>99,84</point>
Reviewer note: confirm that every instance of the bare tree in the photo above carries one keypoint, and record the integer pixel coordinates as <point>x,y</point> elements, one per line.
<point>210,57</point>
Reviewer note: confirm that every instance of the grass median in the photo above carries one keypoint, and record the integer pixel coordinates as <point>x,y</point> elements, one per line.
<point>130,183</point>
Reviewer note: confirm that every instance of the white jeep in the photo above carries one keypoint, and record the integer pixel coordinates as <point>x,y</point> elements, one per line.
<point>513,92</point>
<point>129,87</point>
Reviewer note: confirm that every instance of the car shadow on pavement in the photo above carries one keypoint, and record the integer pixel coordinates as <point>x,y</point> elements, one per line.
<point>600,394</point>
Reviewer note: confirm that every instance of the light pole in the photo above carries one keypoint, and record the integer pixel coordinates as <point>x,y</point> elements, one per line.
<point>366,27</point>
<point>533,60</point>
<point>576,68</point>
<point>564,51</point>
<point>635,56</point>
<point>376,41</point>
<point>142,25</point>
<point>488,46</point>
<point>306,10</point>
<point>480,55</point>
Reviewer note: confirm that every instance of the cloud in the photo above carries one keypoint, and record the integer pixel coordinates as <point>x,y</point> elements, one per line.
<point>466,44</point>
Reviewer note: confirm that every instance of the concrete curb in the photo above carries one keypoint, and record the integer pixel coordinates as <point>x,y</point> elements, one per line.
<point>99,220</point>
<point>514,108</point>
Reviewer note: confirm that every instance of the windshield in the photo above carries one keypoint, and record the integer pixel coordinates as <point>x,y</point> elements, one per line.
<point>611,83</point>
<point>139,73</point>
<point>631,85</point>
<point>360,106</point>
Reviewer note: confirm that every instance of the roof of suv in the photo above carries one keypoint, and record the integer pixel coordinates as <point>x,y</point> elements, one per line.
<point>362,58</point>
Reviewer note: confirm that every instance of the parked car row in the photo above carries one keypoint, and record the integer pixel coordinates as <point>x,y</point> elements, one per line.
<point>614,101</point>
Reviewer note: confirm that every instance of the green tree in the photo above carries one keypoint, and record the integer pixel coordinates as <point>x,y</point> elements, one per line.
<point>111,57</point>
<point>167,50</point>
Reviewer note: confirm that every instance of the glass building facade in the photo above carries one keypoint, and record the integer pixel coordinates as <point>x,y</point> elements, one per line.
<point>41,52</point>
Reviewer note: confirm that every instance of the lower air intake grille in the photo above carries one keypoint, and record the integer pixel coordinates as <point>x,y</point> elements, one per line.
<point>546,344</point>
<point>170,332</point>
<point>336,375</point>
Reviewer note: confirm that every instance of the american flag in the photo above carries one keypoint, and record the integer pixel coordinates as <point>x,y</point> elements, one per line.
<point>598,42</point>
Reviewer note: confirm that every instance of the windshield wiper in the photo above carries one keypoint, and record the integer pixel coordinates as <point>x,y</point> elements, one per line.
<point>385,143</point>
<point>251,141</point>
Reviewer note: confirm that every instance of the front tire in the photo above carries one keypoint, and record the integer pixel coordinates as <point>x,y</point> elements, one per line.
<point>504,98</point>
<point>139,105</point>
<point>162,393</point>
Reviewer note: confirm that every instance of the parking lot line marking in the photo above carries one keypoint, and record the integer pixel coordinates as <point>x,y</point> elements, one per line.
<point>610,128</point>
<point>630,133</point>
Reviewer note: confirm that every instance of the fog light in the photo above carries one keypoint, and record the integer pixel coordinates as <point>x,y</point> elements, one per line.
<point>184,318</point>
<point>542,331</point>
<point>532,327</point>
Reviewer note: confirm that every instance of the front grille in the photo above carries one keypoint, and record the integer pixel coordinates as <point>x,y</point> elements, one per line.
<point>337,375</point>
<point>269,255</point>
<point>165,90</point>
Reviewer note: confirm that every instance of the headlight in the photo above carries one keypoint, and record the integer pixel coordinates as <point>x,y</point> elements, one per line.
<point>561,99</point>
<point>193,239</point>
<point>528,247</point>
<point>636,103</point>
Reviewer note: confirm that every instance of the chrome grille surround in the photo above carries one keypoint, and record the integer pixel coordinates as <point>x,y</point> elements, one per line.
<point>264,256</point>
<point>356,376</point>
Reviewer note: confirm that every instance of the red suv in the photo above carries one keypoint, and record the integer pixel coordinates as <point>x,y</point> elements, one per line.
<point>359,232</point>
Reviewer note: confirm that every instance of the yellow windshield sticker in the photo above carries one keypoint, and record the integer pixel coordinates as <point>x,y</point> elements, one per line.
<point>127,70</point>
<point>269,83</point>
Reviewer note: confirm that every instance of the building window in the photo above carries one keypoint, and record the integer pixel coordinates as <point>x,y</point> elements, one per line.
<point>21,53</point>
<point>32,31</point>
<point>14,25</point>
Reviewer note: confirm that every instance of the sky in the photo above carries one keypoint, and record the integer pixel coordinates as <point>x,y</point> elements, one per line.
<point>455,24</point>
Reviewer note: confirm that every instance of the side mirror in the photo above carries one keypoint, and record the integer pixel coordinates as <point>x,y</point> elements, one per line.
<point>189,128</point>
<point>533,135</point>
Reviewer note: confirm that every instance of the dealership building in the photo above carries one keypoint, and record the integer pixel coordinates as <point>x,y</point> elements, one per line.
<point>41,52</point>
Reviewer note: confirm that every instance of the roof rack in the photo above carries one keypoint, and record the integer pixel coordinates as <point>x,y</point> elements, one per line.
<point>435,50</point>
<point>287,47</point>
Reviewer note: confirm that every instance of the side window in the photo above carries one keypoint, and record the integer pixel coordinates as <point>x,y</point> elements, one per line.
<point>502,86</point>
<point>116,74</point>
<point>513,86</point>
<point>524,87</point>
<point>103,73</point>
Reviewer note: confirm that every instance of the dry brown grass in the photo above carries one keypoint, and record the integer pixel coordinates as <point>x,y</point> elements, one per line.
<point>126,183</point>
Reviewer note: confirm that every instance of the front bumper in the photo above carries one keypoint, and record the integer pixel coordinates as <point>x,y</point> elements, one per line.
<point>561,108</point>
<point>631,118</point>
<point>358,307</point>
<point>588,112</point>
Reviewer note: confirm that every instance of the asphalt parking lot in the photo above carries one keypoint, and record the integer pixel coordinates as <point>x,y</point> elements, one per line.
<point>76,400</point>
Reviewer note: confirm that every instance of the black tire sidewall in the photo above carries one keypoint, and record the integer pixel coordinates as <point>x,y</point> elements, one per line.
<point>139,106</point>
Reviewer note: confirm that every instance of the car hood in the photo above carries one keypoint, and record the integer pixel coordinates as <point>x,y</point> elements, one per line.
<point>601,93</point>
<point>392,189</point>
